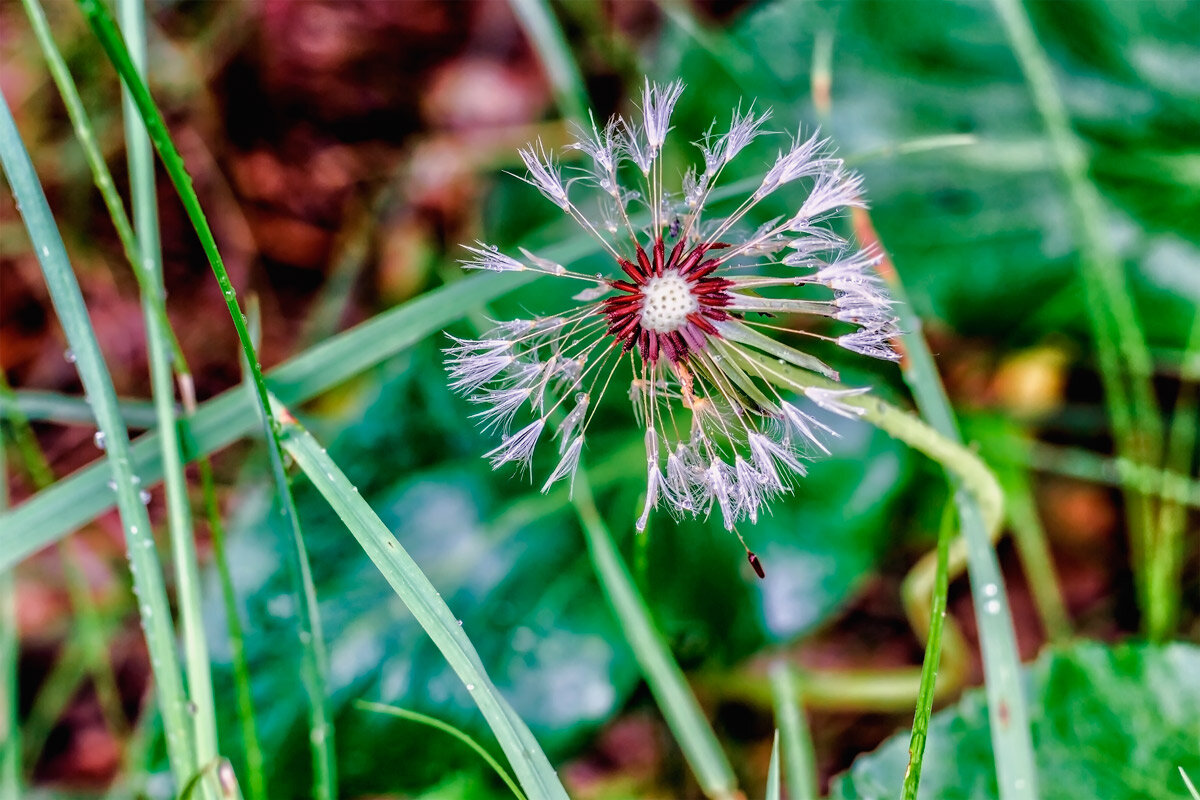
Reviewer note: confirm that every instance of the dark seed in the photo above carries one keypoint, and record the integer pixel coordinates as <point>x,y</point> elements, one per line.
<point>754,562</point>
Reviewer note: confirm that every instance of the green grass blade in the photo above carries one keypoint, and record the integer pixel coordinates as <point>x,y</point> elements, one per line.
<point>548,41</point>
<point>422,599</point>
<point>796,738</point>
<point>65,409</point>
<point>255,761</point>
<point>10,651</point>
<point>664,677</point>
<point>933,655</point>
<point>450,730</point>
<point>1126,368</point>
<point>144,564</point>
<point>314,667</point>
<point>158,338</point>
<point>774,790</point>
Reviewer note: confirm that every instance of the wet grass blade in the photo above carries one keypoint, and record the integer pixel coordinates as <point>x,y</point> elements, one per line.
<point>933,655</point>
<point>774,789</point>
<point>551,46</point>
<point>794,734</point>
<point>313,664</point>
<point>147,573</point>
<point>448,729</point>
<point>10,651</point>
<point>532,767</point>
<point>664,677</point>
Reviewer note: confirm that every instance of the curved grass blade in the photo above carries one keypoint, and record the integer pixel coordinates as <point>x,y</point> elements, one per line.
<point>313,663</point>
<point>416,592</point>
<point>447,728</point>
<point>144,564</point>
<point>664,677</point>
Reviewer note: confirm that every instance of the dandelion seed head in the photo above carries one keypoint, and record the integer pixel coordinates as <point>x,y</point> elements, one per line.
<point>696,321</point>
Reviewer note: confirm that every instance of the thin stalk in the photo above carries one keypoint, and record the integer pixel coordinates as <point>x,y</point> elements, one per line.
<point>447,728</point>
<point>158,336</point>
<point>792,722</point>
<point>664,677</point>
<point>1125,364</point>
<point>10,654</point>
<point>1166,557</point>
<point>64,409</point>
<point>933,653</point>
<point>1084,465</point>
<point>980,507</point>
<point>551,46</point>
<point>774,790</point>
<point>313,661</point>
<point>90,630</point>
<point>532,768</point>
<point>255,762</point>
<point>147,574</point>
<point>1030,538</point>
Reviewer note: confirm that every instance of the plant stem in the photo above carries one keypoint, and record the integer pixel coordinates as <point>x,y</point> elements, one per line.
<point>313,661</point>
<point>792,722</point>
<point>1125,364</point>
<point>664,677</point>
<point>158,335</point>
<point>933,652</point>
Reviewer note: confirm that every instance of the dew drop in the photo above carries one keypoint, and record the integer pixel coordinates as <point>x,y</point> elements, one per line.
<point>991,590</point>
<point>112,485</point>
<point>192,708</point>
<point>144,496</point>
<point>470,687</point>
<point>992,607</point>
<point>459,622</point>
<point>69,356</point>
<point>133,529</point>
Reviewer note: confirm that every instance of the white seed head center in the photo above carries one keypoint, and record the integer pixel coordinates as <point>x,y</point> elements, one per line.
<point>666,302</point>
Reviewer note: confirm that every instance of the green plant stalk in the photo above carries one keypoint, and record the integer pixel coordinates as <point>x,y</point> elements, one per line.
<point>1084,465</point>
<point>774,791</point>
<point>255,762</point>
<point>158,335</point>
<point>792,723</point>
<point>548,41</point>
<point>664,677</point>
<point>1132,406</point>
<point>10,652</point>
<point>532,768</point>
<point>933,653</point>
<point>90,628</point>
<point>101,175</point>
<point>147,574</point>
<point>1166,563</point>
<point>313,661</point>
<point>447,728</point>
<point>1030,538</point>
<point>66,409</point>
<point>981,508</point>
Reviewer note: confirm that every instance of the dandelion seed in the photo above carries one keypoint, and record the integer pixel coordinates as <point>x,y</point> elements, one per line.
<point>678,320</point>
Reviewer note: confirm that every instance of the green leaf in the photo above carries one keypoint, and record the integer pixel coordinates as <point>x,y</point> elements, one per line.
<point>1108,724</point>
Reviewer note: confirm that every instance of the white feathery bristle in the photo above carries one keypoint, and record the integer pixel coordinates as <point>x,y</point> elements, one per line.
<point>831,400</point>
<point>490,258</point>
<point>518,447</point>
<point>653,478</point>
<point>544,174</point>
<point>804,424</point>
<point>567,466</point>
<point>801,161</point>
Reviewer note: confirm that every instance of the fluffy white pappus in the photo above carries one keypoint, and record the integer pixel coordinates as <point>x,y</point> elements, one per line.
<point>488,257</point>
<point>544,174</point>
<point>568,464</point>
<point>518,448</point>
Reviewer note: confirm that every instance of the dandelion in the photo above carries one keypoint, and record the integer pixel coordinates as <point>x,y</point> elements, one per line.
<point>694,318</point>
